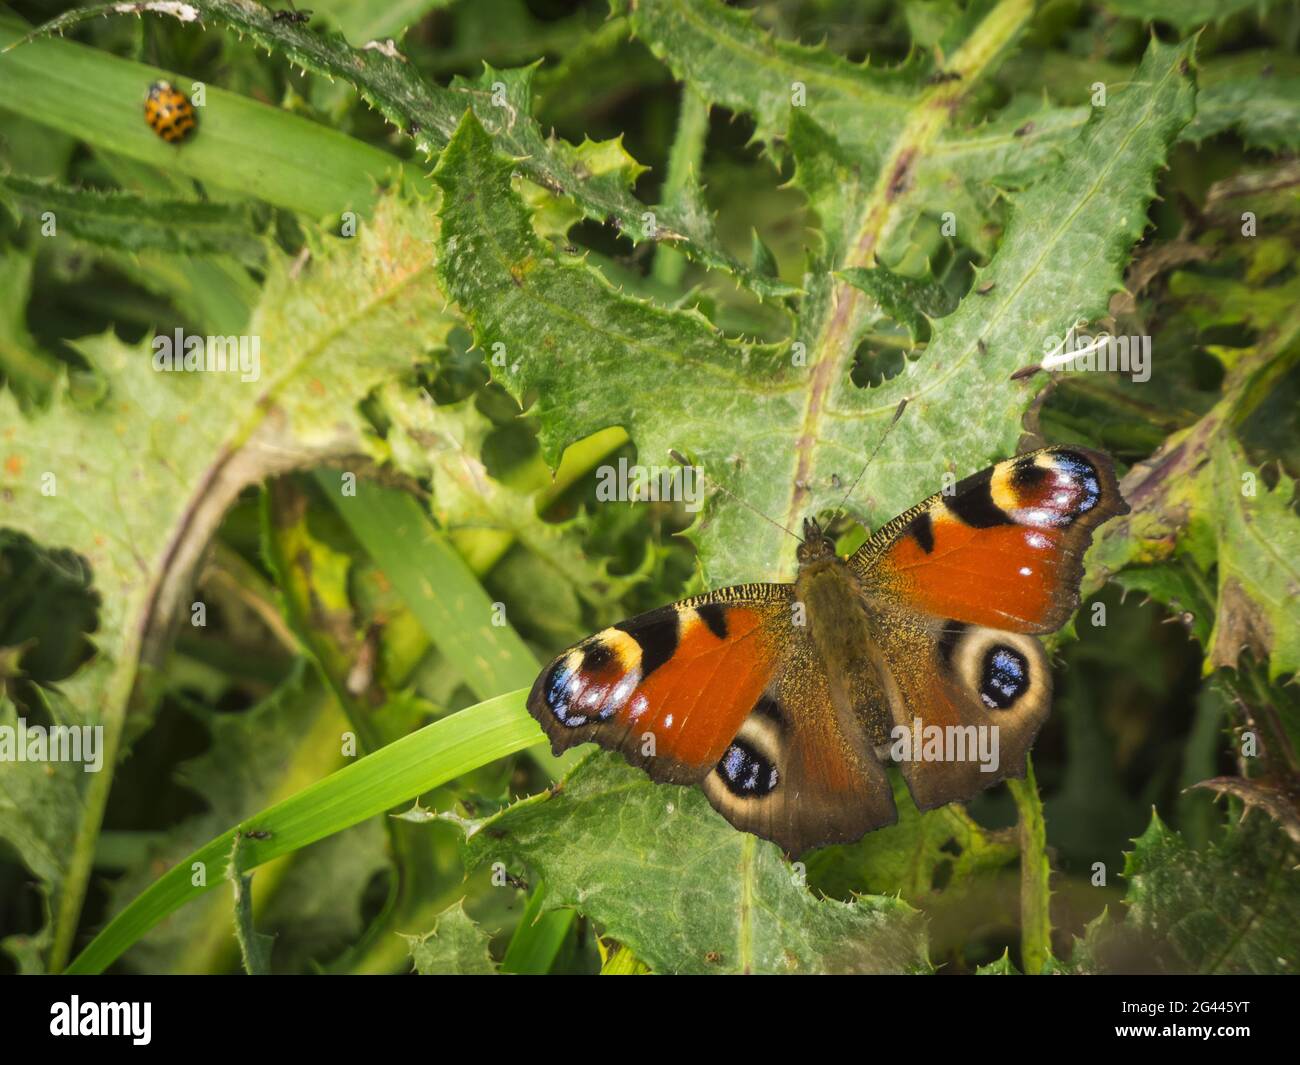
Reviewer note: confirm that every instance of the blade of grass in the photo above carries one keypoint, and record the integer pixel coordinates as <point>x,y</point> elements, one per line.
<point>239,145</point>
<point>448,748</point>
<point>441,590</point>
<point>538,937</point>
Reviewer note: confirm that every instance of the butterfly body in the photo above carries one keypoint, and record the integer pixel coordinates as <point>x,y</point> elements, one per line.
<point>784,702</point>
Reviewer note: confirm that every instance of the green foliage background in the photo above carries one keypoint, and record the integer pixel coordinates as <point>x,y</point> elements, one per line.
<point>491,246</point>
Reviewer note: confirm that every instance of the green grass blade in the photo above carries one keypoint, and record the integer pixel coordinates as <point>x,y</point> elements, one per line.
<point>239,145</point>
<point>414,764</point>
<point>441,590</point>
<point>430,113</point>
<point>538,937</point>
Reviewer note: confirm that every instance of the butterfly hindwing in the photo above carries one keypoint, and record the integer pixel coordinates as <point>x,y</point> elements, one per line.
<point>1004,549</point>
<point>965,701</point>
<point>798,772</point>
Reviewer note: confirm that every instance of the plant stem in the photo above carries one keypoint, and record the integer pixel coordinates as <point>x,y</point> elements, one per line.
<point>683,163</point>
<point>1035,875</point>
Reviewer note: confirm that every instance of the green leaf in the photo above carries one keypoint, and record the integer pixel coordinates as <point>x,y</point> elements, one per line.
<point>1233,907</point>
<point>1105,941</point>
<point>835,183</point>
<point>1242,95</point>
<point>1177,586</point>
<point>909,301</point>
<point>719,900</point>
<point>916,859</point>
<point>873,125</point>
<point>454,946</point>
<point>39,818</point>
<point>968,167</point>
<point>1200,497</point>
<point>1185,15</point>
<point>1259,105</point>
<point>725,57</point>
<point>429,113</point>
<point>136,482</point>
<point>132,223</point>
<point>563,326</point>
<point>594,357</point>
<point>1001,967</point>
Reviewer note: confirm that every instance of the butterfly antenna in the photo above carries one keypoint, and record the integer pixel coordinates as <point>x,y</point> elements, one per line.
<point>681,460</point>
<point>898,413</point>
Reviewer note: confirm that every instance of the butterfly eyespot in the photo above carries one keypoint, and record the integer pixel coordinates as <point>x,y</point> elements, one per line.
<point>1082,479</point>
<point>556,688</point>
<point>1004,678</point>
<point>746,773</point>
<point>1053,490</point>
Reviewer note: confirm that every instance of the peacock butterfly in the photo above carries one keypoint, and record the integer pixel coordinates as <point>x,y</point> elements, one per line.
<point>783,701</point>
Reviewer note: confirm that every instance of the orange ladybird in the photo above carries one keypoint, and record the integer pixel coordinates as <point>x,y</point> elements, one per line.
<point>169,112</point>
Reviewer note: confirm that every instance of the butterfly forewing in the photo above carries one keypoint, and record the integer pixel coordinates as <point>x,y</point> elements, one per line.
<point>1004,548</point>
<point>669,688</point>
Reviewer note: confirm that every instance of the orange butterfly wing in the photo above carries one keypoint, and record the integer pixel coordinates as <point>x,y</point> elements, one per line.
<point>955,588</point>
<point>669,688</point>
<point>1004,548</point>
<point>724,690</point>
